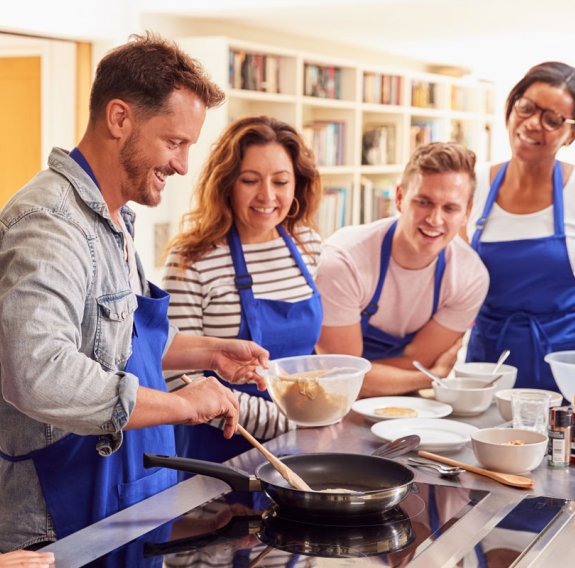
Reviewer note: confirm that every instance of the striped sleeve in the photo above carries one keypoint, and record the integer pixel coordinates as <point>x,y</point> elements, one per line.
<point>205,301</point>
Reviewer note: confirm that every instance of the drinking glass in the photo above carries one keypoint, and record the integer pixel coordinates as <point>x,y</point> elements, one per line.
<point>530,410</point>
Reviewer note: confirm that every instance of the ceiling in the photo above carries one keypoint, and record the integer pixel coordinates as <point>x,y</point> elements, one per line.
<point>491,37</point>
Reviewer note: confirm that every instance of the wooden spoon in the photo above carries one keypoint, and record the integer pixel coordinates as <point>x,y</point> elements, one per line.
<point>505,478</point>
<point>287,473</point>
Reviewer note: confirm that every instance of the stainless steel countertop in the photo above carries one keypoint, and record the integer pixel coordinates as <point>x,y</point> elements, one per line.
<point>350,435</point>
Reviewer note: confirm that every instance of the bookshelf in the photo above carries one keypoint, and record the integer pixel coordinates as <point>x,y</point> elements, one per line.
<point>362,121</point>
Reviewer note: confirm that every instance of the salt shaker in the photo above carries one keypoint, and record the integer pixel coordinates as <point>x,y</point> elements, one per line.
<point>560,430</point>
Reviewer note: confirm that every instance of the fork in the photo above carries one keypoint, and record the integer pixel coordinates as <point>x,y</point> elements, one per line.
<point>443,470</point>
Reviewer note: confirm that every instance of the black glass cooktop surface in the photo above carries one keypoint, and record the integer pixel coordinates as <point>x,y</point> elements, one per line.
<point>241,530</point>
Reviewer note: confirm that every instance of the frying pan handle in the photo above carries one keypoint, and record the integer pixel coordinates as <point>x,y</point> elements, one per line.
<point>237,479</point>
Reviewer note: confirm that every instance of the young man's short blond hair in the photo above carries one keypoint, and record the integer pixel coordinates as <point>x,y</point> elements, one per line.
<point>438,158</point>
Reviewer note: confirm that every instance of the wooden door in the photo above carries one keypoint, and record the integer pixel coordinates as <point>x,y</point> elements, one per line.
<point>20,122</point>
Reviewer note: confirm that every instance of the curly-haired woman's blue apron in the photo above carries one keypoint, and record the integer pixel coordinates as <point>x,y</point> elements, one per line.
<point>530,305</point>
<point>378,344</point>
<point>79,485</point>
<point>283,328</point>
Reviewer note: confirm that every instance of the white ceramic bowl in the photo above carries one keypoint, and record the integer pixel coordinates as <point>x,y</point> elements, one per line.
<point>493,449</point>
<point>318,401</point>
<point>484,371</point>
<point>503,400</point>
<point>563,369</point>
<point>468,397</point>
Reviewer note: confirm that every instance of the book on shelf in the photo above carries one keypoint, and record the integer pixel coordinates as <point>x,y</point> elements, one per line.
<point>322,81</point>
<point>378,144</point>
<point>458,133</point>
<point>377,199</point>
<point>327,141</point>
<point>460,98</point>
<point>421,132</point>
<point>423,94</point>
<point>381,88</point>
<point>332,214</point>
<point>254,71</point>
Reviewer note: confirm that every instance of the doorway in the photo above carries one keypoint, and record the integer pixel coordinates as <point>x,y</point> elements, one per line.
<point>20,122</point>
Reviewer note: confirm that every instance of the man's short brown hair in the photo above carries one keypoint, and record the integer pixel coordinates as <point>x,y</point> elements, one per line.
<point>437,158</point>
<point>145,71</point>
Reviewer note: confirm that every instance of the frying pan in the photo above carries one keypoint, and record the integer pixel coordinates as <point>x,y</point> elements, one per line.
<point>378,484</point>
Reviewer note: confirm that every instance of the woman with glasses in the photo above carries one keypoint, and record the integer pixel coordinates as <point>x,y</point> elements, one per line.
<point>523,227</point>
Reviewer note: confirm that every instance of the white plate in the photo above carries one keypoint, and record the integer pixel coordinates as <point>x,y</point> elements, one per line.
<point>424,408</point>
<point>437,434</point>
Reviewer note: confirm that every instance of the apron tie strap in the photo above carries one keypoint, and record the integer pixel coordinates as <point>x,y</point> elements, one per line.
<point>539,339</point>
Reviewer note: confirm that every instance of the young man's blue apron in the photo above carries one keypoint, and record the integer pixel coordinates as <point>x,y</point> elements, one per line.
<point>283,328</point>
<point>378,344</point>
<point>530,305</point>
<point>81,486</point>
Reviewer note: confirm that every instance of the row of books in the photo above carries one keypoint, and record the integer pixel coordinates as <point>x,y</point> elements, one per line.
<point>327,140</point>
<point>254,71</point>
<point>467,99</point>
<point>322,81</point>
<point>423,94</point>
<point>378,145</point>
<point>377,199</point>
<point>382,89</point>
<point>461,98</point>
<point>421,132</point>
<point>332,213</point>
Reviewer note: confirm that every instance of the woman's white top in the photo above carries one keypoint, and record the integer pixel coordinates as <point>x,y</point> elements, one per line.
<point>504,226</point>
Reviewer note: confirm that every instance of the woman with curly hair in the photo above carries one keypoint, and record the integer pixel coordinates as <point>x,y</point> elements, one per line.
<point>243,265</point>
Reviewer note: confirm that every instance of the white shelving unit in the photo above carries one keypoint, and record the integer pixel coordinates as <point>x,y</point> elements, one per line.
<point>425,106</point>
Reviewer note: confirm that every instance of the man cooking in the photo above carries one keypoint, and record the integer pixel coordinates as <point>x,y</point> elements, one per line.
<point>83,336</point>
<point>401,289</point>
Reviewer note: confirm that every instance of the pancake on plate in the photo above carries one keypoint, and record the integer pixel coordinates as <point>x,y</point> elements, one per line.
<point>395,412</point>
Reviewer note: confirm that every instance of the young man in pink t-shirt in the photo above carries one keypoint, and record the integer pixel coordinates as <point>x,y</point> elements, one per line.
<point>406,288</point>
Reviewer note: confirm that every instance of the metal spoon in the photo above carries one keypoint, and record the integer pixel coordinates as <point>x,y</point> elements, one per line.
<point>492,381</point>
<point>431,375</point>
<point>501,360</point>
<point>448,472</point>
<point>397,447</point>
<point>442,383</point>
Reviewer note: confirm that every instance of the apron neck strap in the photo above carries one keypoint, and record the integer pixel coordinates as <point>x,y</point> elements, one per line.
<point>80,159</point>
<point>386,246</point>
<point>558,209</point>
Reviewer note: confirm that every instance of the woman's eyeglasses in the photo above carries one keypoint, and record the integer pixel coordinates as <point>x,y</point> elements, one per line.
<point>550,120</point>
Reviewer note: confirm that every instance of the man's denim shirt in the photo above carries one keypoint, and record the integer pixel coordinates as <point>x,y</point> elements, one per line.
<point>66,317</point>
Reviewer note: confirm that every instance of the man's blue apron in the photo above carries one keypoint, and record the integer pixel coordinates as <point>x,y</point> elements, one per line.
<point>378,344</point>
<point>79,485</point>
<point>530,305</point>
<point>283,328</point>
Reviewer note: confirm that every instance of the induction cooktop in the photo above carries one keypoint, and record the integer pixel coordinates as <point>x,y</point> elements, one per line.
<point>239,530</point>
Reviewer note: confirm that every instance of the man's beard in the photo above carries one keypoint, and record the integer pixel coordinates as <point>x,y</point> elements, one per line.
<point>138,172</point>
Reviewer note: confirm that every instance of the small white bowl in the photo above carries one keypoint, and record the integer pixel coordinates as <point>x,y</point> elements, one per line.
<point>468,397</point>
<point>503,400</point>
<point>484,371</point>
<point>494,449</point>
<point>316,401</point>
<point>563,369</point>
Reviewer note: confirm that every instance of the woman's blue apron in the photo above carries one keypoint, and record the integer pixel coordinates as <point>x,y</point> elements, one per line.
<point>79,485</point>
<point>530,305</point>
<point>378,344</point>
<point>283,328</point>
